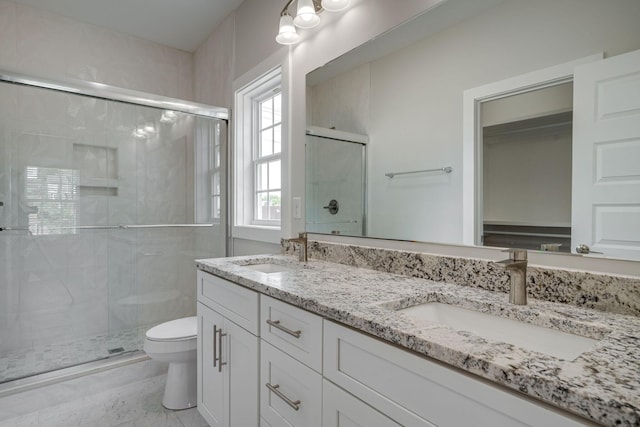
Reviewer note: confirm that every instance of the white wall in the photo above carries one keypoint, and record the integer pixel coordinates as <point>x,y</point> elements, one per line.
<point>43,44</point>
<point>527,179</point>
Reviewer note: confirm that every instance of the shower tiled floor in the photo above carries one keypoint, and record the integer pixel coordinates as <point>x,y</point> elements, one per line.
<point>21,363</point>
<point>127,396</point>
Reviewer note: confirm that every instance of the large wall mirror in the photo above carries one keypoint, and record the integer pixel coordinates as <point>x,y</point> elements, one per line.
<point>505,123</point>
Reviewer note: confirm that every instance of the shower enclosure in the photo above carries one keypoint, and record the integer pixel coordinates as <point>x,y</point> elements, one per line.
<point>106,198</point>
<point>335,182</point>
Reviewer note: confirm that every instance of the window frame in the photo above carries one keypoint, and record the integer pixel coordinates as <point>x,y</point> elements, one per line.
<point>258,83</point>
<point>267,159</point>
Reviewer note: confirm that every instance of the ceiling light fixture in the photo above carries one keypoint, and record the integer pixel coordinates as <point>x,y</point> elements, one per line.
<point>306,17</point>
<point>335,5</point>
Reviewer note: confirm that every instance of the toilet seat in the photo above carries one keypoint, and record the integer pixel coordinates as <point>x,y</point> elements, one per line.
<point>174,330</point>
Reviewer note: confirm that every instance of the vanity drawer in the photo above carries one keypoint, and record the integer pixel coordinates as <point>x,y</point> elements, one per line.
<point>238,304</point>
<point>290,392</point>
<point>414,391</point>
<point>294,331</point>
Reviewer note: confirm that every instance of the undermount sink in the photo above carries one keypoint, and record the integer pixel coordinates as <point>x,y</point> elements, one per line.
<point>269,268</point>
<point>555,343</point>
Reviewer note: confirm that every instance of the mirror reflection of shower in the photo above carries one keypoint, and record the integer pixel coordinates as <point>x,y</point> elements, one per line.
<point>336,182</point>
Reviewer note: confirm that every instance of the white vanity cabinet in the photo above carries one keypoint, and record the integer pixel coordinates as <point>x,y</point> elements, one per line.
<point>414,391</point>
<point>290,365</point>
<point>265,362</point>
<point>228,349</point>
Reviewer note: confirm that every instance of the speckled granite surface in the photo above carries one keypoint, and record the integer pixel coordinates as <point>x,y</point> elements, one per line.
<point>602,384</point>
<point>615,294</point>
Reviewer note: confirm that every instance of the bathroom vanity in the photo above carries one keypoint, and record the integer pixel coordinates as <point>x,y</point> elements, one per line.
<point>326,344</point>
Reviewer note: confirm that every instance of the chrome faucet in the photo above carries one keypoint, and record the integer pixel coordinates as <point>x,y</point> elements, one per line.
<point>302,240</point>
<point>517,266</point>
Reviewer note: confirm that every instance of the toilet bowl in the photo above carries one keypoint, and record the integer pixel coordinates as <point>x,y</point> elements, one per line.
<point>175,342</point>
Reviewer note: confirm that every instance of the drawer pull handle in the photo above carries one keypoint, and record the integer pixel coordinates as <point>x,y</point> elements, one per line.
<point>276,324</point>
<point>274,389</point>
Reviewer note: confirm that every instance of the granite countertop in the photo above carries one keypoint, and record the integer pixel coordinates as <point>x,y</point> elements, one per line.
<point>601,384</point>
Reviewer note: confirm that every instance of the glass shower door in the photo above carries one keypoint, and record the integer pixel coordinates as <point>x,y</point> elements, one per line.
<point>335,186</point>
<point>99,223</point>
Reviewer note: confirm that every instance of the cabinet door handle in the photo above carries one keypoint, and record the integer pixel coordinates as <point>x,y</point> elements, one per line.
<point>215,351</point>
<point>220,362</point>
<point>276,324</point>
<point>274,389</point>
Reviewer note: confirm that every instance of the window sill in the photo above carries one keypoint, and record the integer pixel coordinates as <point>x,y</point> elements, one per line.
<point>258,233</point>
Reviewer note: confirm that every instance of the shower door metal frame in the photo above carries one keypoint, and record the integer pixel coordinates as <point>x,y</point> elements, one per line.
<point>105,92</point>
<point>113,93</point>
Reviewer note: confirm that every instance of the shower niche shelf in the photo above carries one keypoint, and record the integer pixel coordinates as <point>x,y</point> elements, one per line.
<point>98,167</point>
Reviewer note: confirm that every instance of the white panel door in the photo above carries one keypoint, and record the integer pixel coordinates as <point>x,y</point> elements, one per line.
<point>240,357</point>
<point>606,157</point>
<point>212,382</point>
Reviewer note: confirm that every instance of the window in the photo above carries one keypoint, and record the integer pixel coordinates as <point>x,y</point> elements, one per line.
<point>257,157</point>
<point>267,162</point>
<point>209,134</point>
<point>51,195</point>
<point>216,169</point>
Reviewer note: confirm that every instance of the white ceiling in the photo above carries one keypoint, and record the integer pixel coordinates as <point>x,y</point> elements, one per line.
<point>182,24</point>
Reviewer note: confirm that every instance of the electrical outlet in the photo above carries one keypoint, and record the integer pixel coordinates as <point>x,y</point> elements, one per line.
<point>297,208</point>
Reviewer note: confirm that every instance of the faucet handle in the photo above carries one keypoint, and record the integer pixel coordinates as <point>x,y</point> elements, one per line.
<point>517,254</point>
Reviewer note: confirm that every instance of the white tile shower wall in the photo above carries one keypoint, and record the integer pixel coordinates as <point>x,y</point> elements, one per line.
<point>42,43</point>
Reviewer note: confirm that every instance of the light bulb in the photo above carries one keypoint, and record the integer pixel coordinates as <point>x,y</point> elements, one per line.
<point>306,16</point>
<point>139,132</point>
<point>287,33</point>
<point>335,5</point>
<point>168,116</point>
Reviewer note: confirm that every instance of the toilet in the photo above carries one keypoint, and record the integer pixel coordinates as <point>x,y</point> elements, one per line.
<point>175,342</point>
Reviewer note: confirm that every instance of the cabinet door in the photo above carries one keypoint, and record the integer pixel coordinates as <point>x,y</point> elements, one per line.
<point>227,371</point>
<point>211,382</point>
<point>241,362</point>
<point>340,409</point>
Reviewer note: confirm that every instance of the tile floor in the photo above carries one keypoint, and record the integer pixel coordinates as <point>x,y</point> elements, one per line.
<point>127,396</point>
<point>24,362</point>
